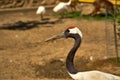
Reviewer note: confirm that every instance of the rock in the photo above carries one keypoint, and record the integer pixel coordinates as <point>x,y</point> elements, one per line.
<point>87,9</point>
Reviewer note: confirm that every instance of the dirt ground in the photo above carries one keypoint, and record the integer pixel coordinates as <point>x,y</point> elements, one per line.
<point>25,56</point>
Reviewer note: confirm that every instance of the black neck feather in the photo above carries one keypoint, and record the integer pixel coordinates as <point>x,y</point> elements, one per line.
<point>71,54</point>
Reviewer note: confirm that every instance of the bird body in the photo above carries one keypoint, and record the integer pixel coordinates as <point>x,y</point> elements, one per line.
<point>93,75</point>
<point>76,34</point>
<point>61,6</point>
<point>40,11</point>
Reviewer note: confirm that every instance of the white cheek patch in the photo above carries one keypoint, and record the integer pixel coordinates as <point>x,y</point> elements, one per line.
<point>75,31</point>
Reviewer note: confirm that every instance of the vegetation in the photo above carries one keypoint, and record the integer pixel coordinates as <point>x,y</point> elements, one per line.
<point>77,15</point>
<point>118,60</point>
<point>115,60</point>
<point>118,18</point>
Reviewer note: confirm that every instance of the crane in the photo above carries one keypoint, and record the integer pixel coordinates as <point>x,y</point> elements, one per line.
<point>62,6</point>
<point>41,11</point>
<point>76,34</point>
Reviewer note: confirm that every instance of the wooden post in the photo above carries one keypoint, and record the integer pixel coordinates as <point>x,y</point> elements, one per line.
<point>115,33</point>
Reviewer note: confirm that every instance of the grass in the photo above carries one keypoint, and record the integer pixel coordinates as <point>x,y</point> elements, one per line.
<point>116,60</point>
<point>118,18</point>
<point>77,15</point>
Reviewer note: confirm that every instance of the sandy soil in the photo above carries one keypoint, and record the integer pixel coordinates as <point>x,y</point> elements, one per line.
<point>25,56</point>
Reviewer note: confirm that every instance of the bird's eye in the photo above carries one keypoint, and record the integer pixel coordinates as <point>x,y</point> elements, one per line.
<point>66,33</point>
<point>67,30</point>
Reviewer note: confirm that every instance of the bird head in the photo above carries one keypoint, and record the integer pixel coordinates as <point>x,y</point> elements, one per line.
<point>72,30</point>
<point>69,32</point>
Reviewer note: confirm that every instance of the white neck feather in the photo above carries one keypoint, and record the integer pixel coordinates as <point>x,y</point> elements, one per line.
<point>76,31</point>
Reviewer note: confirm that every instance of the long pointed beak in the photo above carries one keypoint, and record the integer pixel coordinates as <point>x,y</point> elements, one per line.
<point>61,35</point>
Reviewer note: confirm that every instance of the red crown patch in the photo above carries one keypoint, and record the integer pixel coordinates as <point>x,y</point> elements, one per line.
<point>71,27</point>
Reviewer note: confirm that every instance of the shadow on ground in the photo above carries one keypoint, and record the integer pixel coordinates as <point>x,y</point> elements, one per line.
<point>54,69</point>
<point>21,25</point>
